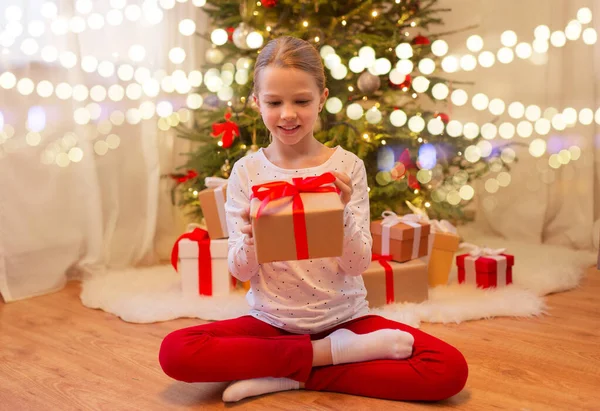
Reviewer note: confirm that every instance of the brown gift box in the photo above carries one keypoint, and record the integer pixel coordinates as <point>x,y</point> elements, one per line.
<point>273,231</point>
<point>402,237</point>
<point>409,283</point>
<point>444,245</point>
<point>212,202</point>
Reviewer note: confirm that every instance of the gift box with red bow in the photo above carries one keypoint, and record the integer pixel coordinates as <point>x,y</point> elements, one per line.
<point>403,238</point>
<point>485,267</point>
<point>212,201</point>
<point>298,220</point>
<point>202,263</point>
<point>389,282</point>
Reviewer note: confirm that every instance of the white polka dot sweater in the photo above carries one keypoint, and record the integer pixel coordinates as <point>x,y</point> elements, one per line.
<point>306,296</point>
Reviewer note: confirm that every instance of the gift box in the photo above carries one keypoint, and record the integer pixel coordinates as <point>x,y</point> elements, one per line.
<point>203,265</point>
<point>212,201</point>
<point>389,282</point>
<point>400,237</point>
<point>441,256</point>
<point>297,221</point>
<point>442,244</point>
<point>485,268</point>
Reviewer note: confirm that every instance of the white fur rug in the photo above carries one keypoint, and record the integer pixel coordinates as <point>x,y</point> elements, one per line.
<point>153,294</point>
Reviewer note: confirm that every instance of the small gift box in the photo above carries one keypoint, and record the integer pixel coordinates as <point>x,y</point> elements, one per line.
<point>442,248</point>
<point>389,282</point>
<point>202,263</point>
<point>297,221</point>
<point>212,201</point>
<point>404,238</point>
<point>485,267</point>
<point>442,244</point>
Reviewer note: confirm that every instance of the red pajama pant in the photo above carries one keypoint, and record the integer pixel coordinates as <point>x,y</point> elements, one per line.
<point>245,348</point>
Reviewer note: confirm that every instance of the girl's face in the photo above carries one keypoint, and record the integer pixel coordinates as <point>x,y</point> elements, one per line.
<point>289,101</point>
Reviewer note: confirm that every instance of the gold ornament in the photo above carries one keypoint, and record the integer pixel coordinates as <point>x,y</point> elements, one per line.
<point>226,168</point>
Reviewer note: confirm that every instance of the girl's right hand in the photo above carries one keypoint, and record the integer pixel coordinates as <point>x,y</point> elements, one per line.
<point>247,227</point>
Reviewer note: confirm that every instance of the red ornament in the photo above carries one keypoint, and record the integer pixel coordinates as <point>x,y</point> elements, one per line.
<point>269,3</point>
<point>421,41</point>
<point>405,84</point>
<point>182,178</point>
<point>230,31</point>
<point>229,130</point>
<point>443,116</point>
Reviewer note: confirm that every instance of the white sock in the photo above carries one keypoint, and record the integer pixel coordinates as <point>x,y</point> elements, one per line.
<point>238,390</point>
<point>388,343</point>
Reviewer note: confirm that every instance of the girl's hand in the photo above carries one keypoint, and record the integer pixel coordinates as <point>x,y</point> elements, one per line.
<point>344,183</point>
<point>247,227</point>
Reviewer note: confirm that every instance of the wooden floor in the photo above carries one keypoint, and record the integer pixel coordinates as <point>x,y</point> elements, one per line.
<point>55,354</point>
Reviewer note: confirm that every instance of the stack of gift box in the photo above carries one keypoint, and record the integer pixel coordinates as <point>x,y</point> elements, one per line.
<point>200,255</point>
<point>418,253</point>
<point>413,253</point>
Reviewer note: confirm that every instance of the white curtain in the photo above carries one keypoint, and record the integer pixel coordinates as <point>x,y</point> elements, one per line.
<point>541,204</point>
<point>111,208</point>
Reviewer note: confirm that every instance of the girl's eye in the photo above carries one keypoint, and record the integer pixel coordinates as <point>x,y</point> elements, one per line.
<point>303,102</point>
<point>273,103</point>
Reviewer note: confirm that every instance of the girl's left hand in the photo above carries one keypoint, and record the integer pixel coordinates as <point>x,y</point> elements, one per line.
<point>344,183</point>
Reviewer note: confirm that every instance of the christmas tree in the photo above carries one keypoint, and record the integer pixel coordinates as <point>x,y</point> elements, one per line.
<point>386,104</point>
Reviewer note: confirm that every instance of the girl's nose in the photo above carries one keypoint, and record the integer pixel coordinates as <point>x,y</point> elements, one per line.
<point>288,113</point>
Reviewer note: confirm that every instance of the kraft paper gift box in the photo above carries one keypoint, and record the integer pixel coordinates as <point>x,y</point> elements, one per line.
<point>441,256</point>
<point>399,237</point>
<point>297,221</point>
<point>389,282</point>
<point>442,244</point>
<point>212,201</point>
<point>203,265</point>
<point>486,268</point>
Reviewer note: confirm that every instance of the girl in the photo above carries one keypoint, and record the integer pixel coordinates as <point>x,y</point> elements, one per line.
<point>309,325</point>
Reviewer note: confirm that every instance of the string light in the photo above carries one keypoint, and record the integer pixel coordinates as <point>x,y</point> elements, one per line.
<point>151,86</point>
<point>543,37</point>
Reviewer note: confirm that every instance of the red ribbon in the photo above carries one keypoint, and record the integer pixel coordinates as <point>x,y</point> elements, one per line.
<point>409,164</point>
<point>201,237</point>
<point>229,130</point>
<point>389,275</point>
<point>278,189</point>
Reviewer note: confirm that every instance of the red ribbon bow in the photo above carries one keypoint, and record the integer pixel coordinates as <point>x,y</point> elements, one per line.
<point>204,258</point>
<point>229,130</point>
<point>389,275</point>
<point>278,189</point>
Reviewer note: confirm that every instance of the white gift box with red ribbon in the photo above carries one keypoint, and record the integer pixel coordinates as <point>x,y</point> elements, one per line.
<point>203,264</point>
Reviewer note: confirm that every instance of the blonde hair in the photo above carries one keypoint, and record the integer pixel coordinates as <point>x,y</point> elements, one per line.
<point>290,52</point>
